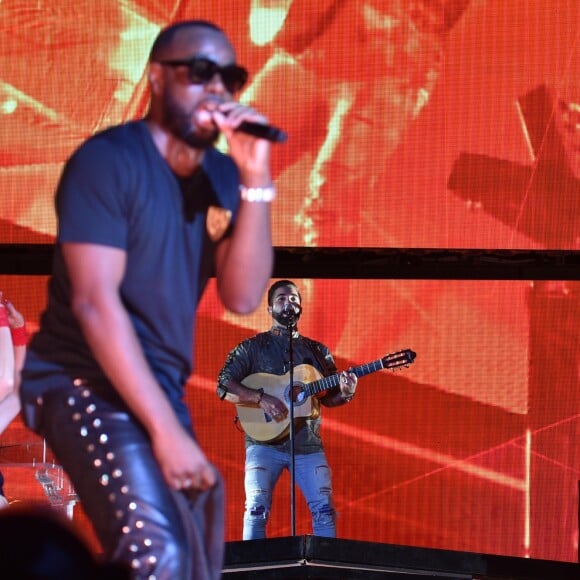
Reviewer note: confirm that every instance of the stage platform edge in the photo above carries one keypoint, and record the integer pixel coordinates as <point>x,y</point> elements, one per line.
<point>316,558</point>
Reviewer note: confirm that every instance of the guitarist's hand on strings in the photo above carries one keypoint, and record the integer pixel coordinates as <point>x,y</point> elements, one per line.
<point>237,393</point>
<point>273,407</point>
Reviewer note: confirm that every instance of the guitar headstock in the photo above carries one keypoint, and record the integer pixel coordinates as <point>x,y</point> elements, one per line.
<point>399,359</point>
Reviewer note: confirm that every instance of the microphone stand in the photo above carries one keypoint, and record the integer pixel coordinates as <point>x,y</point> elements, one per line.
<point>291,325</point>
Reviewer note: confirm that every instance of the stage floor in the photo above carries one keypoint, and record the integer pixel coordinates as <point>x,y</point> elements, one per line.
<point>312,557</point>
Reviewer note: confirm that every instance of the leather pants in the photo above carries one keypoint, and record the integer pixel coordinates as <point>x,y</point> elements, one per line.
<point>156,532</point>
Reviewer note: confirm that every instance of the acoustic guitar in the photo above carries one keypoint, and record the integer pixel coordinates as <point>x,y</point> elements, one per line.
<point>308,382</point>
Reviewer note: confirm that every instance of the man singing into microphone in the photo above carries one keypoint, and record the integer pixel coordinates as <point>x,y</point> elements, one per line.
<point>148,211</point>
<point>267,355</point>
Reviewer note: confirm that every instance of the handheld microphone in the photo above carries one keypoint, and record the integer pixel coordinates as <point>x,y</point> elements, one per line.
<point>262,131</point>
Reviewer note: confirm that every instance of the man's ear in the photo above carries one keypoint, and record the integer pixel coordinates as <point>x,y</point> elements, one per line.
<point>269,310</point>
<point>155,76</point>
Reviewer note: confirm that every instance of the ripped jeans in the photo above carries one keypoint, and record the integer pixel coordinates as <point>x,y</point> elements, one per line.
<point>264,465</point>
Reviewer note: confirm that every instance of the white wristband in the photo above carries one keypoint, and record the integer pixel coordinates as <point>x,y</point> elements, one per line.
<point>258,194</point>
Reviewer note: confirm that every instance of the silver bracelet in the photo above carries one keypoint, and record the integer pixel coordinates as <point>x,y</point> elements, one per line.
<point>258,194</point>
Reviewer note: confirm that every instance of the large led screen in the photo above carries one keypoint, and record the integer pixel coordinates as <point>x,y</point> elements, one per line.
<point>411,123</point>
<point>472,447</point>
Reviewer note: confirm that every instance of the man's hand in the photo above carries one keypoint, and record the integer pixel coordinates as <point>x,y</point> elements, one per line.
<point>273,407</point>
<point>183,463</point>
<point>348,383</point>
<point>15,319</point>
<point>251,155</point>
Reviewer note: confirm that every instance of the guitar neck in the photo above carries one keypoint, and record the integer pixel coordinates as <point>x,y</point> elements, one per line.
<point>326,383</point>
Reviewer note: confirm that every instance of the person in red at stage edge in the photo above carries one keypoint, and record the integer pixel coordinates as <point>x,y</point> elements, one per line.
<point>13,339</point>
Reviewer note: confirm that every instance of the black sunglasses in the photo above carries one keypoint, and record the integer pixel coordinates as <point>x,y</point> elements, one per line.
<point>202,70</point>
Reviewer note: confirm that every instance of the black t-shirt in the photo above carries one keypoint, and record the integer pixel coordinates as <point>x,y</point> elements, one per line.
<point>117,191</point>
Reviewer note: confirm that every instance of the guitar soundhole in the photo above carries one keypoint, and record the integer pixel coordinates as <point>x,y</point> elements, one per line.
<point>299,395</point>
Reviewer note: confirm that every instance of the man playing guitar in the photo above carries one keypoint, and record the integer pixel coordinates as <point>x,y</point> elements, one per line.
<point>255,378</point>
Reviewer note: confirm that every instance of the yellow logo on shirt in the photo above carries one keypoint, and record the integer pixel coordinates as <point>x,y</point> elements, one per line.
<point>217,222</point>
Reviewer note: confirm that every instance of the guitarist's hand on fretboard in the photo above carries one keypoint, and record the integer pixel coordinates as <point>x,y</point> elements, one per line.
<point>348,381</point>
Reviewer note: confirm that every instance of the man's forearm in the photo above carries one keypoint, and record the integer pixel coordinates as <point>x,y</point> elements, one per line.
<point>7,370</point>
<point>239,394</point>
<point>9,408</point>
<point>246,261</point>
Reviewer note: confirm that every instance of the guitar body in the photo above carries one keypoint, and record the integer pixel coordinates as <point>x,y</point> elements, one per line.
<point>261,426</point>
<point>308,382</point>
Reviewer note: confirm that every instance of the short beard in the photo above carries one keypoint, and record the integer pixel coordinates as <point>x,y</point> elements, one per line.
<point>179,123</point>
<point>284,318</point>
<point>198,141</point>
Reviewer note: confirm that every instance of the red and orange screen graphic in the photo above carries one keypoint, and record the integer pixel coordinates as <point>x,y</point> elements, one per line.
<point>412,124</point>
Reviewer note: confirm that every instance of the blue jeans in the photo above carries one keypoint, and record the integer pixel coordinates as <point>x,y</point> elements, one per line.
<point>264,465</point>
